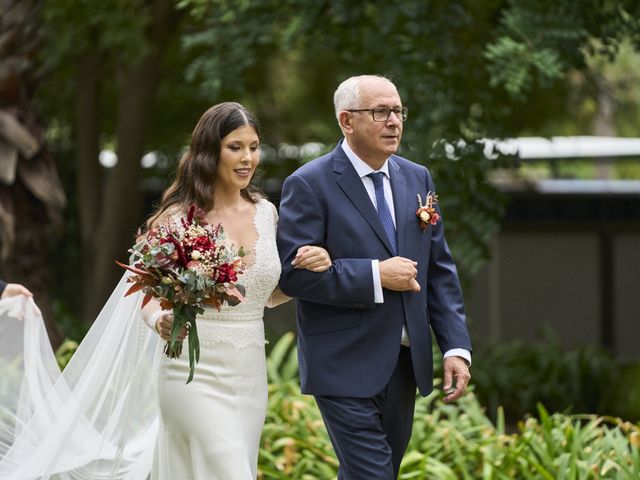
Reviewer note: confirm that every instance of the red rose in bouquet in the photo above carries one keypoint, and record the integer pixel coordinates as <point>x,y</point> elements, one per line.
<point>186,264</point>
<point>226,273</point>
<point>203,244</point>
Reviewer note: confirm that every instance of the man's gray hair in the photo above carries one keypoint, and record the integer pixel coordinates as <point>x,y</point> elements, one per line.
<point>347,95</point>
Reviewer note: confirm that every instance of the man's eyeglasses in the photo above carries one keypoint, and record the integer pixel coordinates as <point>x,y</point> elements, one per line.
<point>382,114</point>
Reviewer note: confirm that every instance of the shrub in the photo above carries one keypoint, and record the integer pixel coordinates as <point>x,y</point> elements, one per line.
<point>456,441</point>
<point>518,375</point>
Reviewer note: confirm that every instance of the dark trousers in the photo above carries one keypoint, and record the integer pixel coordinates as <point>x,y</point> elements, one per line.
<point>370,435</point>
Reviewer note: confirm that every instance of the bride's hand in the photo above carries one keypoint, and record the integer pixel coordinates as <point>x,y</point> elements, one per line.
<point>164,324</point>
<point>312,258</point>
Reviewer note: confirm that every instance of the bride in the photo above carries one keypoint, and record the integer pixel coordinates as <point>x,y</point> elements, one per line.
<point>121,409</point>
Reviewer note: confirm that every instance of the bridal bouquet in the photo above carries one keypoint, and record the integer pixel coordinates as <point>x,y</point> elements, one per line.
<point>186,264</point>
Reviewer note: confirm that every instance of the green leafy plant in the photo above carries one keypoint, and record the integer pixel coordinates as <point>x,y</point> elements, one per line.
<point>457,441</point>
<point>518,375</point>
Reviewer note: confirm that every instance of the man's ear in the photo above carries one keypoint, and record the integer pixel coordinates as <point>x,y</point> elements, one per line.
<point>344,120</point>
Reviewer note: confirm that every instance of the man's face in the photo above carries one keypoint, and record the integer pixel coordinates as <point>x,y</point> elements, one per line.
<point>375,141</point>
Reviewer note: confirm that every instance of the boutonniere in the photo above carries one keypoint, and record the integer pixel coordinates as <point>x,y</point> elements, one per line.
<point>426,211</point>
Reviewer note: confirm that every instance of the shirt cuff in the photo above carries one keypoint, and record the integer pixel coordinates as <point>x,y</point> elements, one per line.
<point>459,352</point>
<point>378,296</point>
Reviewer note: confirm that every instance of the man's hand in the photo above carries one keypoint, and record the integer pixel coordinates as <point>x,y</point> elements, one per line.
<point>164,324</point>
<point>13,289</point>
<point>455,368</point>
<point>399,274</point>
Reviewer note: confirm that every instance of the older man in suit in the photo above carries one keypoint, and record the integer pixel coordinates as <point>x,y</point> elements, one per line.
<point>364,326</point>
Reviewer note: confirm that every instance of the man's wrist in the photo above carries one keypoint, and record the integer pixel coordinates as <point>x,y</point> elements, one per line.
<point>459,352</point>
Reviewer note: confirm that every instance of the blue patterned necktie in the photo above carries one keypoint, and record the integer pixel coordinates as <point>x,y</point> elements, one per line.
<point>383,209</point>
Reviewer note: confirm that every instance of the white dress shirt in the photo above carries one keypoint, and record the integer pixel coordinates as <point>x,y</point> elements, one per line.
<point>363,170</point>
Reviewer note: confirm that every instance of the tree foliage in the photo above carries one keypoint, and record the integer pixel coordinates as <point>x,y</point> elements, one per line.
<point>466,69</point>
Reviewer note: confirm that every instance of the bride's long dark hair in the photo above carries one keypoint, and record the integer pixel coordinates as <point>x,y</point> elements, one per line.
<point>197,169</point>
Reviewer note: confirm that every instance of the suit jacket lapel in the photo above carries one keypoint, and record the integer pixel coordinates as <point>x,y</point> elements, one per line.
<point>400,199</point>
<point>351,184</point>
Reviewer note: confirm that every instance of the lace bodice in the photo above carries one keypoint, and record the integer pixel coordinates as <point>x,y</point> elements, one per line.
<point>242,325</point>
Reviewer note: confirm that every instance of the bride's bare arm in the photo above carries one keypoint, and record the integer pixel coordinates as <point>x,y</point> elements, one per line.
<point>310,257</point>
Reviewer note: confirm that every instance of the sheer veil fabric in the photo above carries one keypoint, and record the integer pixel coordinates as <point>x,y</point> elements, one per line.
<point>119,397</point>
<point>98,419</point>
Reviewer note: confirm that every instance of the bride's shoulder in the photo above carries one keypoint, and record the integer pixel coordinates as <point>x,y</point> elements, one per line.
<point>267,205</point>
<point>269,209</point>
<point>260,201</point>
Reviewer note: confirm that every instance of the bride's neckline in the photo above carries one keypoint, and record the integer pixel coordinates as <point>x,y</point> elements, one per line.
<point>254,248</point>
<point>250,253</point>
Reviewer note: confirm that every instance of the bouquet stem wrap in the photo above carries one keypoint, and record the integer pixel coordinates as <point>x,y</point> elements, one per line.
<point>184,316</point>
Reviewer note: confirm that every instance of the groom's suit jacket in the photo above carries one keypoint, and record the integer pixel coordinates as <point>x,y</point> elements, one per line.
<point>347,344</point>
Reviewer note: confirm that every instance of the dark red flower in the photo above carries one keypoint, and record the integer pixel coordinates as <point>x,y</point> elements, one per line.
<point>192,211</point>
<point>227,273</point>
<point>203,243</point>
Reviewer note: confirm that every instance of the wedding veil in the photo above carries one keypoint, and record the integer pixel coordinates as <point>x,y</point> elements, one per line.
<point>98,418</point>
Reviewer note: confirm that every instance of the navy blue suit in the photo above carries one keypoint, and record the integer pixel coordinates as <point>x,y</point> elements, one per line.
<point>349,346</point>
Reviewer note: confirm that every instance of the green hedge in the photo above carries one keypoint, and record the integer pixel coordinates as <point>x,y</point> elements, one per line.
<point>518,375</point>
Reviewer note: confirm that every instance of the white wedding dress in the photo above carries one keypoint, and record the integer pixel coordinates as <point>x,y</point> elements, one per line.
<point>210,428</point>
<point>121,409</point>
